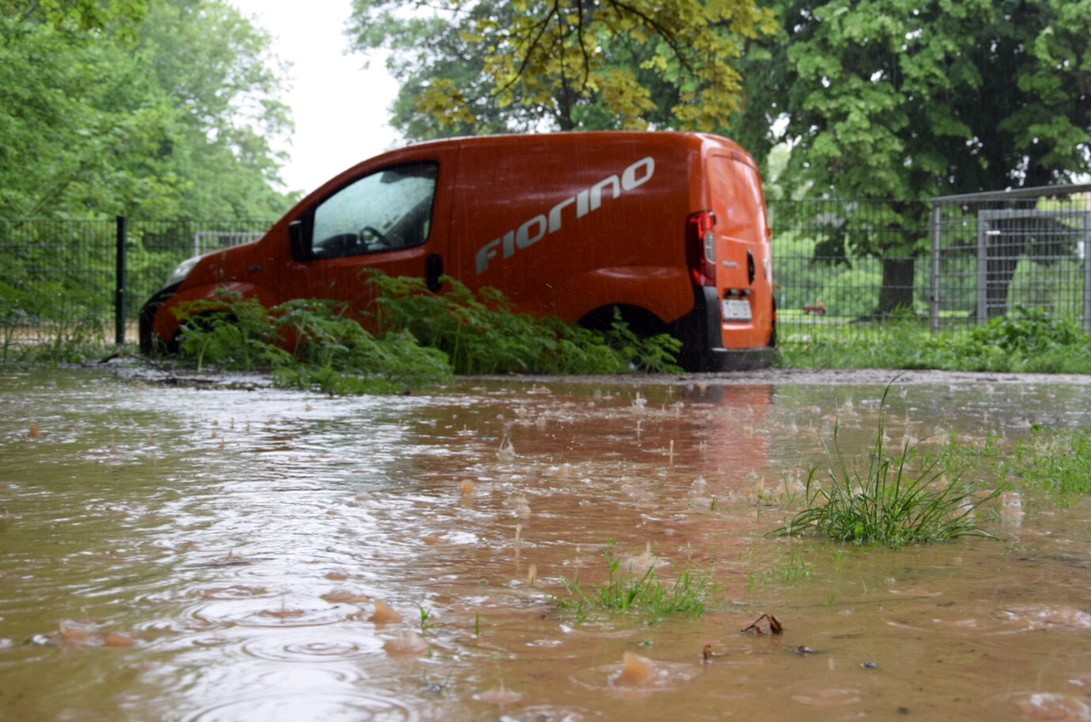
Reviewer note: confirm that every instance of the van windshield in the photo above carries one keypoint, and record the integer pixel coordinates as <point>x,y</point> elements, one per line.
<point>386,211</point>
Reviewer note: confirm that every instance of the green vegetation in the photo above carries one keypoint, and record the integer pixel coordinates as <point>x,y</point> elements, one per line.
<point>487,66</point>
<point>157,108</point>
<point>481,334</point>
<point>1058,463</point>
<point>893,501</point>
<point>424,339</point>
<point>642,595</point>
<point>1025,341</point>
<point>902,102</point>
<point>307,344</point>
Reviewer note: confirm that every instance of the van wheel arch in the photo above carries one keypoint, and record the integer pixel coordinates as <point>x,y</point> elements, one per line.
<point>640,321</point>
<point>203,321</point>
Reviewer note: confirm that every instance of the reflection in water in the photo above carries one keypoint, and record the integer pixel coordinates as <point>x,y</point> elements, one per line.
<point>186,554</point>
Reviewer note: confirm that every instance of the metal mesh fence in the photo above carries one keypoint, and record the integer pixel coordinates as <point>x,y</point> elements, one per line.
<point>994,252</point>
<point>60,278</point>
<point>841,267</point>
<point>845,267</point>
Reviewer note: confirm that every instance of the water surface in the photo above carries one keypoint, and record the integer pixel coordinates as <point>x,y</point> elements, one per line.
<point>190,553</point>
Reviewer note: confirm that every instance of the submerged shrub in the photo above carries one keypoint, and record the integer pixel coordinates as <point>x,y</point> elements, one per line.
<point>424,338</point>
<point>230,332</point>
<point>481,333</point>
<point>892,502</point>
<point>306,344</point>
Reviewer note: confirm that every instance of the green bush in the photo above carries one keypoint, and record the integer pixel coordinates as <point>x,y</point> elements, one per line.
<point>853,293</point>
<point>1025,331</point>
<point>425,338</point>
<point>482,334</point>
<point>1025,341</point>
<point>307,344</point>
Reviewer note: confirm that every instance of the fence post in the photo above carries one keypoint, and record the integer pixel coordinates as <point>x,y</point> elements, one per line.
<point>1086,274</point>
<point>935,303</point>
<point>121,279</point>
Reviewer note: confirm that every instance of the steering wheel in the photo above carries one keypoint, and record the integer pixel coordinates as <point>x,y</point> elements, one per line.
<point>378,236</point>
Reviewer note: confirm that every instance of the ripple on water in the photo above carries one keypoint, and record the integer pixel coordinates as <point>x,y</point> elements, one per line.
<point>1052,706</point>
<point>291,707</point>
<point>637,673</point>
<point>1009,625</point>
<point>828,697</point>
<point>282,611</point>
<point>544,713</point>
<point>324,644</point>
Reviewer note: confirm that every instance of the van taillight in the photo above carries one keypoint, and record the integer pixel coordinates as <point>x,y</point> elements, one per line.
<point>701,247</point>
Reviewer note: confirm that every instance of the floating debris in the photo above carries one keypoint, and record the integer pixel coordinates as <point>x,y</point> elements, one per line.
<point>765,624</point>
<point>707,654</point>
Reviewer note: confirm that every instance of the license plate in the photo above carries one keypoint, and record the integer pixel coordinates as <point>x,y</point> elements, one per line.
<point>736,309</point>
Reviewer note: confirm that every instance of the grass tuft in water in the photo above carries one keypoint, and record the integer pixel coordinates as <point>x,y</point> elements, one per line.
<point>643,595</point>
<point>893,502</point>
<point>1058,463</point>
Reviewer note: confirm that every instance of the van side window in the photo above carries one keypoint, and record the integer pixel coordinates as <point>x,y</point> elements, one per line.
<point>385,211</point>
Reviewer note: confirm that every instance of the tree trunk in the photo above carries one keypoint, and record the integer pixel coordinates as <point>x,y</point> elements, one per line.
<point>897,290</point>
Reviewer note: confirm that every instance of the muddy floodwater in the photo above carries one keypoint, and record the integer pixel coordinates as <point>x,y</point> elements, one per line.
<point>202,552</point>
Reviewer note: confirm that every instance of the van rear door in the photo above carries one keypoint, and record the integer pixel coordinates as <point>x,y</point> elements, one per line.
<point>744,272</point>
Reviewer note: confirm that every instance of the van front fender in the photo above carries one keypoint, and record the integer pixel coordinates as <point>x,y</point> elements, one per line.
<point>160,321</point>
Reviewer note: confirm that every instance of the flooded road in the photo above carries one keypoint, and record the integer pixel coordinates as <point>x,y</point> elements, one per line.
<point>201,554</point>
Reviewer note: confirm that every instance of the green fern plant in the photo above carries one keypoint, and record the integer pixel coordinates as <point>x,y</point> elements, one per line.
<point>481,333</point>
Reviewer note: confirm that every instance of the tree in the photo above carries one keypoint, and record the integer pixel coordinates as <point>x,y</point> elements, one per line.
<point>909,100</point>
<point>222,87</point>
<point>157,108</point>
<point>563,64</point>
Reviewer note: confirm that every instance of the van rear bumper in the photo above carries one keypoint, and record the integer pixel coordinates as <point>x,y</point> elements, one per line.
<point>741,359</point>
<point>703,349</point>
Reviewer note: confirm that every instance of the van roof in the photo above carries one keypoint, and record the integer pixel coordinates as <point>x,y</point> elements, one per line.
<point>647,139</point>
<point>586,136</point>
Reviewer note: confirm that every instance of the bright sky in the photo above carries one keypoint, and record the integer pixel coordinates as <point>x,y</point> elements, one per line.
<point>340,109</point>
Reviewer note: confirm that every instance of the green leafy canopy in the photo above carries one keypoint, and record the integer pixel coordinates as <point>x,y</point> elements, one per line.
<point>471,65</point>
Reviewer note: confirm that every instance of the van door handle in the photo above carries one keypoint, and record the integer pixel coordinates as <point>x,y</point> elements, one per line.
<point>433,269</point>
<point>751,267</point>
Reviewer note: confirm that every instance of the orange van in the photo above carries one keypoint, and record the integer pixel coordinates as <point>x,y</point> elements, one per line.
<point>669,228</point>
